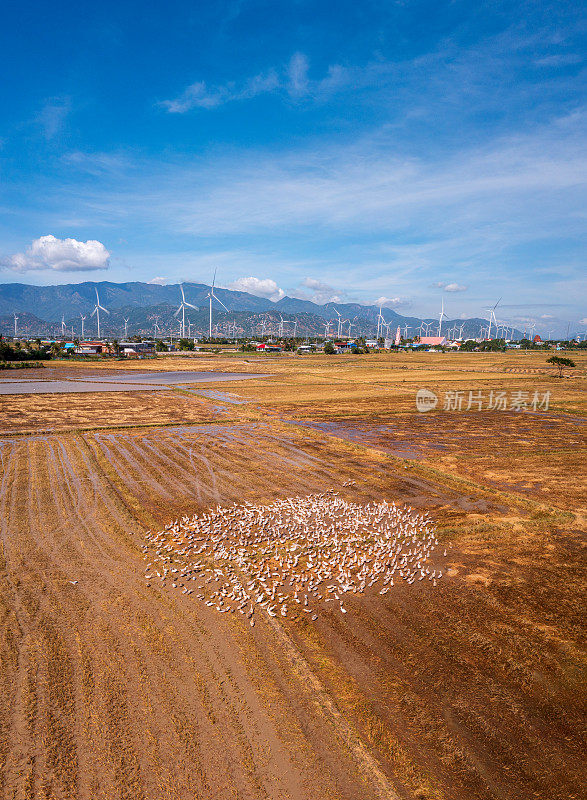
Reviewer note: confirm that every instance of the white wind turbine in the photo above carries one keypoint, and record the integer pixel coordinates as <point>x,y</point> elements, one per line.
<point>442,314</point>
<point>492,317</point>
<point>287,322</point>
<point>406,329</point>
<point>380,321</point>
<point>63,327</point>
<point>97,309</point>
<point>125,327</point>
<point>155,326</point>
<point>82,319</point>
<point>339,333</point>
<point>211,296</point>
<point>182,307</point>
<point>15,321</point>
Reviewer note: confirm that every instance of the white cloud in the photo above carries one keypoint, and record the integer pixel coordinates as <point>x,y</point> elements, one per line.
<point>319,292</point>
<point>60,255</point>
<point>297,73</point>
<point>392,302</point>
<point>199,95</point>
<point>52,117</point>
<point>261,287</point>
<point>449,287</point>
<point>290,80</point>
<point>159,280</point>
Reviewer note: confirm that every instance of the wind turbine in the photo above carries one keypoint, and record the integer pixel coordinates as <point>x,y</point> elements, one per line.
<point>97,310</point>
<point>15,321</point>
<point>339,334</point>
<point>380,319</point>
<point>125,328</point>
<point>492,317</point>
<point>442,314</point>
<point>155,327</point>
<point>82,318</point>
<point>327,328</point>
<point>182,307</point>
<point>211,296</point>
<point>406,329</point>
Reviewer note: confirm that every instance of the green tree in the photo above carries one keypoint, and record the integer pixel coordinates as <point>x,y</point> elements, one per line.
<point>160,346</point>
<point>186,344</point>
<point>561,363</point>
<point>329,349</point>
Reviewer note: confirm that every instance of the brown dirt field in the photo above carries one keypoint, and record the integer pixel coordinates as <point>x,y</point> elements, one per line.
<point>472,690</point>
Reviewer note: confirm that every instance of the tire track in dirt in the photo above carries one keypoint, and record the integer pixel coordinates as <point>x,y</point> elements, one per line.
<point>105,724</point>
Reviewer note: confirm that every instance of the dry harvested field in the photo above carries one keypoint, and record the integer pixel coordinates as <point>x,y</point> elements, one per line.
<point>472,689</point>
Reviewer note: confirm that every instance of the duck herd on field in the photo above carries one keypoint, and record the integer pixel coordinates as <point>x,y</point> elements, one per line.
<point>292,556</point>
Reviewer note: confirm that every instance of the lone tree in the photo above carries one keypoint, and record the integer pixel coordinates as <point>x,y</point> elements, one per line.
<point>329,349</point>
<point>561,363</point>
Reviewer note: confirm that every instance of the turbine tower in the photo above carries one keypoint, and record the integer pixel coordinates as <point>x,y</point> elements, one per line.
<point>125,328</point>
<point>63,327</point>
<point>15,321</point>
<point>211,296</point>
<point>182,307</point>
<point>97,309</point>
<point>339,334</point>
<point>82,319</point>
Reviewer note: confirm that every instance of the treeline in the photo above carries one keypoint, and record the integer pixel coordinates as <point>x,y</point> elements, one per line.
<point>15,352</point>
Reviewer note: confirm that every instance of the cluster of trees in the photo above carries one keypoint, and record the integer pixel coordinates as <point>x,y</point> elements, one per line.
<point>16,352</point>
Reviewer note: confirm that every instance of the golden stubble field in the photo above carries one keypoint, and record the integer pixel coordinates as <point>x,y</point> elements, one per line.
<point>472,689</point>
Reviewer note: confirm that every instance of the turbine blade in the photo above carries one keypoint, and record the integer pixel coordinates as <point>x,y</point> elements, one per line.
<point>220,301</point>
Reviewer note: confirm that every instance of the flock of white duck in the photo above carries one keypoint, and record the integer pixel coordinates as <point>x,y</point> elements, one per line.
<point>294,555</point>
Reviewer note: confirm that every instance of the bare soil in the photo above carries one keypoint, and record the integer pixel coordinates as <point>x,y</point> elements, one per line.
<point>471,690</point>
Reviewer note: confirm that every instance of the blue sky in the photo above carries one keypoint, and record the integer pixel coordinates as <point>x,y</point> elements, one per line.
<point>392,151</point>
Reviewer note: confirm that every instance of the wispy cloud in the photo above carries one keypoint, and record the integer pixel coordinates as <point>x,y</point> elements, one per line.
<point>291,81</point>
<point>53,116</point>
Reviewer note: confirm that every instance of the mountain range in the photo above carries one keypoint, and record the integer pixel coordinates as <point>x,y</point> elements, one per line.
<point>40,310</point>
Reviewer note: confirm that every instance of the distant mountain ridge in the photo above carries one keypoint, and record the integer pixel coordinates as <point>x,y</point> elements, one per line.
<point>141,302</point>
